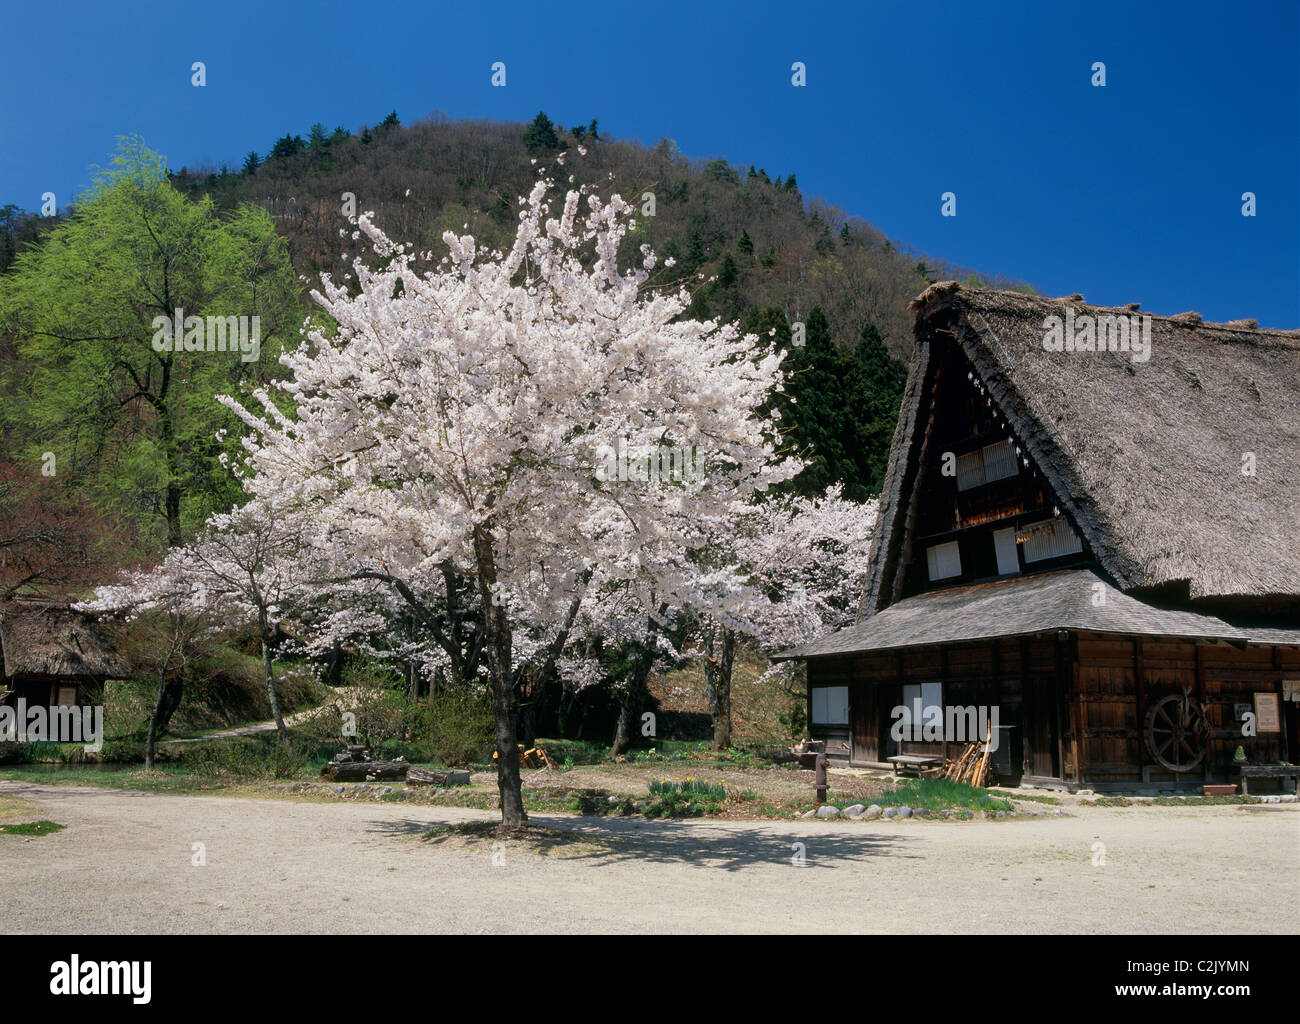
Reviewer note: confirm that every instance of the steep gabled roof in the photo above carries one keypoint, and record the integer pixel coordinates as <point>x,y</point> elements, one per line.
<point>1145,457</point>
<point>53,641</point>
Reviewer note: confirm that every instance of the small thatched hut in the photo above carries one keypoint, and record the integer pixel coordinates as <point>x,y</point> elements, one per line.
<point>54,656</point>
<point>1090,522</point>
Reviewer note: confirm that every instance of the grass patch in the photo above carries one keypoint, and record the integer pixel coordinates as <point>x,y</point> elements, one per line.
<point>1038,798</point>
<point>168,779</point>
<point>32,828</point>
<point>932,794</point>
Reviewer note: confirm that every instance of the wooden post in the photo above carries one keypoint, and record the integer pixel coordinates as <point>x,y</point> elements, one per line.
<point>1282,717</point>
<point>943,686</point>
<point>1076,684</point>
<point>1140,690</point>
<point>1200,696</point>
<point>1030,703</point>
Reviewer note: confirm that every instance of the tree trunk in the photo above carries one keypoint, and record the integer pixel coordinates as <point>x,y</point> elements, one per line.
<point>153,719</point>
<point>503,684</point>
<point>718,662</point>
<point>635,698</point>
<point>271,695</point>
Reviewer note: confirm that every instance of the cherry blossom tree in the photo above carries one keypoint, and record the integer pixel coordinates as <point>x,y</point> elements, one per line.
<point>458,415</point>
<point>782,571</point>
<point>248,568</point>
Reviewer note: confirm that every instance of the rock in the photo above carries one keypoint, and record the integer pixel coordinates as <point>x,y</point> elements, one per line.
<point>852,811</point>
<point>905,811</point>
<point>945,813</point>
<point>874,811</point>
<point>827,811</point>
<point>611,799</point>
<point>920,812</point>
<point>808,814</point>
<point>385,791</point>
<point>999,815</point>
<point>338,790</point>
<point>981,815</point>
<point>1060,812</point>
<point>890,812</point>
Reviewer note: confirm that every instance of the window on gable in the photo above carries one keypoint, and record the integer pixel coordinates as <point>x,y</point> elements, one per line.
<point>1050,538</point>
<point>944,560</point>
<point>1004,543</point>
<point>992,462</point>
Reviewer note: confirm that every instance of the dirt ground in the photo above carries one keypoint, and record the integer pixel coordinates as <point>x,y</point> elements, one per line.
<point>125,864</point>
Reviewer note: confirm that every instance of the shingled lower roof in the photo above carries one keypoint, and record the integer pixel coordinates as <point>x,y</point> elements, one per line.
<point>1075,599</point>
<point>51,641</point>
<point>1146,457</point>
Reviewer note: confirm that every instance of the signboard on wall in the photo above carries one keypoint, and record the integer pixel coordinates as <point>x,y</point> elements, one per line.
<point>1267,718</point>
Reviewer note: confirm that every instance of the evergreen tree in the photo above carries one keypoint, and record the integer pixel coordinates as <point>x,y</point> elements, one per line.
<point>816,409</point>
<point>540,133</point>
<point>746,244</point>
<point>875,388</point>
<point>251,163</point>
<point>390,121</point>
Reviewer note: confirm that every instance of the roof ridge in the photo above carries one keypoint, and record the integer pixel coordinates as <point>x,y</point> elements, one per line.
<point>942,290</point>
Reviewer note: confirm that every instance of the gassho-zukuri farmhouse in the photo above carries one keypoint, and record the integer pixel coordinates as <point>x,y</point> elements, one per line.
<point>1090,523</point>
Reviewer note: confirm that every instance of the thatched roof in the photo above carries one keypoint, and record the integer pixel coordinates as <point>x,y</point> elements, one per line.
<point>1018,606</point>
<point>1145,457</point>
<point>52,641</point>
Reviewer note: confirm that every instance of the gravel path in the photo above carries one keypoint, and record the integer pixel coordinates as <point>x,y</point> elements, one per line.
<point>124,864</point>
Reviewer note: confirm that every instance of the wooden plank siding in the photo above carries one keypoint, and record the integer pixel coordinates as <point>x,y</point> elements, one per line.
<point>1076,706</point>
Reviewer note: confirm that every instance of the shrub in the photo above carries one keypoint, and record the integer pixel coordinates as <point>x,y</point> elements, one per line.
<point>259,757</point>
<point>455,727</point>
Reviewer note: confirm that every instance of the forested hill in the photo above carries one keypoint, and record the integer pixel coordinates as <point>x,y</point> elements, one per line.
<point>753,230</point>
<point>134,441</point>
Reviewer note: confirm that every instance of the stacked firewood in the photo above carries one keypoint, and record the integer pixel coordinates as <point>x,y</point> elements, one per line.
<point>972,767</point>
<point>533,757</point>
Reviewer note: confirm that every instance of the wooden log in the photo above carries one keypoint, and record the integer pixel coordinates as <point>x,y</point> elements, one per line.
<point>365,771</point>
<point>436,777</point>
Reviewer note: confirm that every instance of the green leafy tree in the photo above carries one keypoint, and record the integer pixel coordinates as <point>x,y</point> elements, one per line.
<point>131,422</point>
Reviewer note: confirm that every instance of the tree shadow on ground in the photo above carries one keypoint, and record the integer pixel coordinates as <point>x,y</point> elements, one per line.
<point>713,843</point>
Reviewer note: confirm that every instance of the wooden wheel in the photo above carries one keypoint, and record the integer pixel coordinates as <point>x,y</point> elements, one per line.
<point>1177,731</point>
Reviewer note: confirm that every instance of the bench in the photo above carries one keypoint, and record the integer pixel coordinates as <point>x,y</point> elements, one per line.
<point>914,764</point>
<point>1269,771</point>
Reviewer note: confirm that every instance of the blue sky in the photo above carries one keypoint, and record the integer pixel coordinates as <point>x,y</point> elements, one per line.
<point>1131,192</point>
